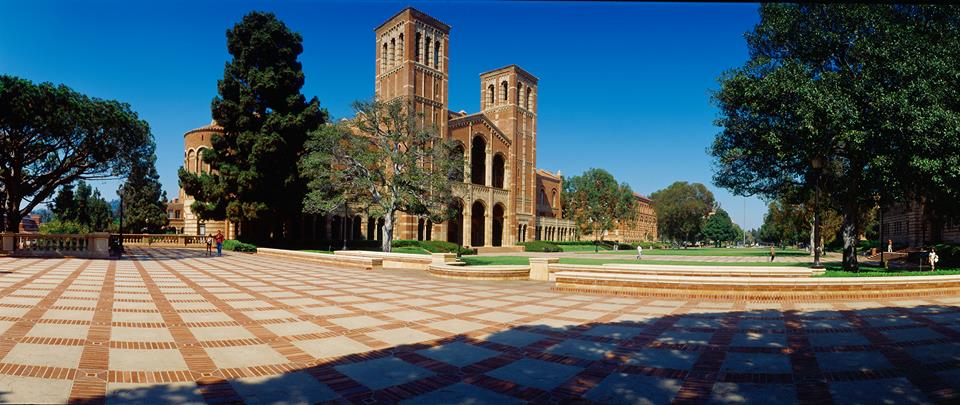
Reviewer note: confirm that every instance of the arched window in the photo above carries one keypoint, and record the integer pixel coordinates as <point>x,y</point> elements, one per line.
<point>383,57</point>
<point>541,197</point>
<point>393,51</point>
<point>426,52</point>
<point>400,51</point>
<point>191,161</point>
<point>527,100</point>
<point>503,88</point>
<point>554,199</point>
<point>478,161</point>
<point>498,170</point>
<point>456,155</point>
<point>519,87</point>
<point>416,48</point>
<point>490,95</point>
<point>436,54</point>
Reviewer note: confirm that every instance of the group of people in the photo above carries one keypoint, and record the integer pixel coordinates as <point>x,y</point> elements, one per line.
<point>218,240</point>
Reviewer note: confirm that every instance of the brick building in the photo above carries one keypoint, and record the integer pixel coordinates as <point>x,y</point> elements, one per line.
<point>503,199</point>
<point>907,226</point>
<point>181,218</point>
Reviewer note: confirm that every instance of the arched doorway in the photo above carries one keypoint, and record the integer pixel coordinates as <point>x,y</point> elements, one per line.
<point>336,229</point>
<point>379,228</point>
<point>498,225</point>
<point>477,213</point>
<point>455,223</point>
<point>478,161</point>
<point>420,230</point>
<point>371,228</point>
<point>357,228</point>
<point>498,170</point>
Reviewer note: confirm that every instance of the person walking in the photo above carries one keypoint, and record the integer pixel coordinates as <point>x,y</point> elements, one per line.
<point>773,253</point>
<point>933,259</point>
<point>219,239</point>
<point>639,252</point>
<point>209,241</point>
<point>889,245</point>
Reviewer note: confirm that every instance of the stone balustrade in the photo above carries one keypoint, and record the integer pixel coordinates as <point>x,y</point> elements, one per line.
<point>144,239</point>
<point>92,245</point>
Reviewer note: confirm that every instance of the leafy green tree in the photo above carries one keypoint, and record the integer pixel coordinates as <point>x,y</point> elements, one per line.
<point>144,201</point>
<point>84,210</point>
<point>51,136</point>
<point>596,202</point>
<point>255,181</point>
<point>719,228</point>
<point>681,209</point>
<point>382,161</point>
<point>869,89</point>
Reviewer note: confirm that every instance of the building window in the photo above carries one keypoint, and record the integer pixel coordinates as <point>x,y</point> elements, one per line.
<point>436,54</point>
<point>503,88</point>
<point>416,49</point>
<point>427,51</point>
<point>176,214</point>
<point>383,57</point>
<point>490,95</point>
<point>527,100</point>
<point>519,87</point>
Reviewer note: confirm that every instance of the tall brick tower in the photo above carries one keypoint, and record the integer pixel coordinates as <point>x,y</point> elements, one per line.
<point>412,62</point>
<point>508,97</point>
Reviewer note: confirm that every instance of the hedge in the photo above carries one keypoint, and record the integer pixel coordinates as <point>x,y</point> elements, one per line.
<point>238,246</point>
<point>541,246</point>
<point>433,246</point>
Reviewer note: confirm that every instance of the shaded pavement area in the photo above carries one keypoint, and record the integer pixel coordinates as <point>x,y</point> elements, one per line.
<point>830,257</point>
<point>174,326</point>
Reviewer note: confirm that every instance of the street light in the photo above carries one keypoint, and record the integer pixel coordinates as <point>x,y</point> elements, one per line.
<point>817,164</point>
<point>343,226</point>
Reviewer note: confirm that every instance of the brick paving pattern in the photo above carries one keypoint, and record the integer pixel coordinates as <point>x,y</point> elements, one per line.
<point>174,326</point>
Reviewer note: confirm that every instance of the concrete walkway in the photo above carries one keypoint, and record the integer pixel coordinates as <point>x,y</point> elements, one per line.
<point>173,326</point>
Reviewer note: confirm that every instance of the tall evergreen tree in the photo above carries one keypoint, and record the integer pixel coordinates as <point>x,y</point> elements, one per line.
<point>63,203</point>
<point>255,181</point>
<point>144,201</point>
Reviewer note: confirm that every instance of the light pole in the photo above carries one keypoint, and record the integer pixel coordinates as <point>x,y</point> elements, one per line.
<point>817,164</point>
<point>121,220</point>
<point>343,226</point>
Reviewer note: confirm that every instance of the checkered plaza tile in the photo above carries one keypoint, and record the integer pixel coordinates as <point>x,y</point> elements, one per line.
<point>175,326</point>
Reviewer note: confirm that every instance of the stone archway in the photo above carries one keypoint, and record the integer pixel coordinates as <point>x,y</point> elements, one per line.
<point>477,215</point>
<point>455,223</point>
<point>498,225</point>
<point>478,161</point>
<point>499,167</point>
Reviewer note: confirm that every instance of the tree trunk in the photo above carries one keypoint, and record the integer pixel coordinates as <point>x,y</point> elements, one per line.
<point>813,244</point>
<point>850,235</point>
<point>386,246</point>
<point>12,216</point>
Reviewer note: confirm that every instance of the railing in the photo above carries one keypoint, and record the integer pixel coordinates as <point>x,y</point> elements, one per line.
<point>144,239</point>
<point>55,245</point>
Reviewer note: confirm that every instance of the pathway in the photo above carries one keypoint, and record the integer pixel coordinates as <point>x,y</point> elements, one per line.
<point>172,326</point>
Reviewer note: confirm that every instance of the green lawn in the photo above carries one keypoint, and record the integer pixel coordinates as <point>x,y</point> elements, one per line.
<point>743,252</point>
<point>405,249</point>
<point>835,270</point>
<point>583,248</point>
<point>511,260</point>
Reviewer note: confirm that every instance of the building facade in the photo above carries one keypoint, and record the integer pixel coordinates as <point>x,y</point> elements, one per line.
<point>907,226</point>
<point>181,217</point>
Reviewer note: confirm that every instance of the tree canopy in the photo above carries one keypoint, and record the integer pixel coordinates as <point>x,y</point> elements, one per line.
<point>596,202</point>
<point>382,161</point>
<point>144,201</point>
<point>719,228</point>
<point>869,89</point>
<point>52,136</point>
<point>79,210</point>
<point>681,210</point>
<point>255,181</point>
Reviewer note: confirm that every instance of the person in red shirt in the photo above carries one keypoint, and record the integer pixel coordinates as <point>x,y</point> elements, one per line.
<point>219,239</point>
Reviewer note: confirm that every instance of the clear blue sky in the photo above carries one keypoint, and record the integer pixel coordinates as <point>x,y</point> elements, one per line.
<point>624,87</point>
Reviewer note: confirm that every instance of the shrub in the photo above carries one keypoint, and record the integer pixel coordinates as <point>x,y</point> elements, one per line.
<point>949,255</point>
<point>63,227</point>
<point>238,246</point>
<point>541,246</point>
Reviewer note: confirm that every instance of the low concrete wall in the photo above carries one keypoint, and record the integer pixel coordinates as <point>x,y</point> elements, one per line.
<point>676,270</point>
<point>757,288</point>
<point>402,260</point>
<point>353,262</point>
<point>480,272</point>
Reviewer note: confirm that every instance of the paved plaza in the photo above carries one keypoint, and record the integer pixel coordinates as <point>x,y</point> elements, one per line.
<point>174,326</point>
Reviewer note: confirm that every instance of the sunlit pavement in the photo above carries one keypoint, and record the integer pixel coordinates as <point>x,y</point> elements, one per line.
<point>171,326</point>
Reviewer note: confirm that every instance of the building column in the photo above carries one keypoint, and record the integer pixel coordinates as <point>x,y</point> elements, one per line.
<point>467,220</point>
<point>488,176</point>
<point>488,226</point>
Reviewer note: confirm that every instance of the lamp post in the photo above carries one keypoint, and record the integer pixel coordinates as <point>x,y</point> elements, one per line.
<point>343,225</point>
<point>120,243</point>
<point>817,164</point>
